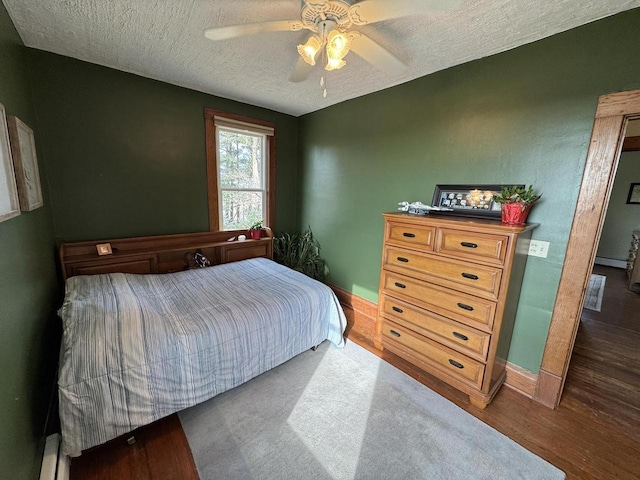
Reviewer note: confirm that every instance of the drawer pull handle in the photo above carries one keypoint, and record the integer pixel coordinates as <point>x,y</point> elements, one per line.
<point>469,244</point>
<point>460,336</point>
<point>470,276</point>
<point>456,364</point>
<point>410,235</point>
<point>396,309</point>
<point>394,333</point>
<point>401,285</point>
<point>464,306</point>
<point>402,259</point>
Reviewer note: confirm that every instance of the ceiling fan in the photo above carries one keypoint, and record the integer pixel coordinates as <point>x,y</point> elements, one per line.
<point>330,23</point>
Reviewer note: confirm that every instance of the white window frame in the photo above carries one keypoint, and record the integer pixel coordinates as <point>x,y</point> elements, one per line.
<point>249,131</point>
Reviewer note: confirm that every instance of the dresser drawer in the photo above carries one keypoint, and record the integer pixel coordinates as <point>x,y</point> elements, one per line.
<point>414,236</point>
<point>470,310</point>
<point>479,246</point>
<point>464,339</point>
<point>399,339</point>
<point>476,279</point>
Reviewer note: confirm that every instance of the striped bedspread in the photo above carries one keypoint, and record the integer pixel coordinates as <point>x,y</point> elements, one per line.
<point>137,348</point>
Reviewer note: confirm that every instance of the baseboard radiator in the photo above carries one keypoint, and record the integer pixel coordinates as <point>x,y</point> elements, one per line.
<point>55,465</point>
<point>610,262</point>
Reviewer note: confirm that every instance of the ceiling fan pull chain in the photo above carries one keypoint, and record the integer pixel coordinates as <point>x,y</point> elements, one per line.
<point>323,81</point>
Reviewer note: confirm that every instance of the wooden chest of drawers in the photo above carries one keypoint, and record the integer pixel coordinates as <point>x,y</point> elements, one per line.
<point>449,291</point>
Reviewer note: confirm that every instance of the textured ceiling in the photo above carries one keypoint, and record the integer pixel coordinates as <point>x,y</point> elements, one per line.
<point>164,40</point>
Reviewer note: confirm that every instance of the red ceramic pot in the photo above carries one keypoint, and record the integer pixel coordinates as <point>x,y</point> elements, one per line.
<point>255,234</point>
<point>513,214</point>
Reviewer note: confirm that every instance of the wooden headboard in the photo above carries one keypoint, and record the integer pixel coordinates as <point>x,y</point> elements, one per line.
<point>160,254</point>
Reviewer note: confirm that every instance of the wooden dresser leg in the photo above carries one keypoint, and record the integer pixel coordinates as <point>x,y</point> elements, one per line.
<point>478,403</point>
<point>377,339</point>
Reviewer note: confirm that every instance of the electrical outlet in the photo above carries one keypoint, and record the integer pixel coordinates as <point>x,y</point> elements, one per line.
<point>538,248</point>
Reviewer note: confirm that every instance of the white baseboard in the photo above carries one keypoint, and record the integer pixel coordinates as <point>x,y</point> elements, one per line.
<point>55,466</point>
<point>610,262</point>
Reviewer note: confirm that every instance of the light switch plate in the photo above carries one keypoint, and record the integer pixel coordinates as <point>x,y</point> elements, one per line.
<point>538,248</point>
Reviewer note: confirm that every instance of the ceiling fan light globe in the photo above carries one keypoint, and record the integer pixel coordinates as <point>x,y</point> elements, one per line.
<point>338,45</point>
<point>309,50</point>
<point>334,64</point>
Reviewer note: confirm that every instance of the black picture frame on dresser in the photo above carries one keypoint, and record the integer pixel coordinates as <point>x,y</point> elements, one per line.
<point>468,200</point>
<point>634,194</point>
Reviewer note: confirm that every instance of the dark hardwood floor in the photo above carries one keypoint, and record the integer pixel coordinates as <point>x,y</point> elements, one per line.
<point>594,433</point>
<point>604,375</point>
<point>620,306</point>
<point>160,452</point>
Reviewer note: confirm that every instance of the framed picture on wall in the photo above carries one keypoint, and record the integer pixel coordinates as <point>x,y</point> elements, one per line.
<point>469,200</point>
<point>634,193</point>
<point>9,202</point>
<point>25,162</point>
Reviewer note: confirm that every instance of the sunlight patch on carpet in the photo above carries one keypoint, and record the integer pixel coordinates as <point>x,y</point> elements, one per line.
<point>344,414</point>
<point>339,458</point>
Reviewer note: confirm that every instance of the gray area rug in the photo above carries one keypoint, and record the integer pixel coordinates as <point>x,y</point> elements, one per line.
<point>595,290</point>
<point>346,414</point>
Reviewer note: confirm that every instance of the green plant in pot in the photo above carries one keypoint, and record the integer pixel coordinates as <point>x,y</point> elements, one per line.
<point>516,203</point>
<point>255,230</point>
<point>300,252</point>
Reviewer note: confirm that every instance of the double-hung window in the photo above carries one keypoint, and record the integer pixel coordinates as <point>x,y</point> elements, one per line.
<point>240,155</point>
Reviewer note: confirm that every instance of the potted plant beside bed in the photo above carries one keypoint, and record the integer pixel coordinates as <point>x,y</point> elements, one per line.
<point>255,230</point>
<point>516,203</point>
<point>301,252</point>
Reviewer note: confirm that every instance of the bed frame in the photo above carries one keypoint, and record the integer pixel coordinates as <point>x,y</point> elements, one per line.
<point>160,254</point>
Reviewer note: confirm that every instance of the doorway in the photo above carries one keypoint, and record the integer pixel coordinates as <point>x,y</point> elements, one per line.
<point>612,115</point>
<point>603,376</point>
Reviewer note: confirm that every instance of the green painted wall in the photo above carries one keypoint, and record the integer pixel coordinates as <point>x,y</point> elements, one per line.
<point>621,219</point>
<point>126,154</point>
<point>523,116</point>
<point>28,292</point>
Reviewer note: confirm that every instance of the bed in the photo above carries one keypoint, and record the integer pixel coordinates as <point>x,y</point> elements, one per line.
<point>137,348</point>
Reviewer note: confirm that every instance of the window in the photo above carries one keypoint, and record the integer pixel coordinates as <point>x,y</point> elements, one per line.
<point>241,178</point>
<point>240,171</point>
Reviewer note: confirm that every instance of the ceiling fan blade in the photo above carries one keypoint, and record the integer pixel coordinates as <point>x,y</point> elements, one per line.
<point>371,11</point>
<point>224,33</point>
<point>376,54</point>
<point>301,71</point>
